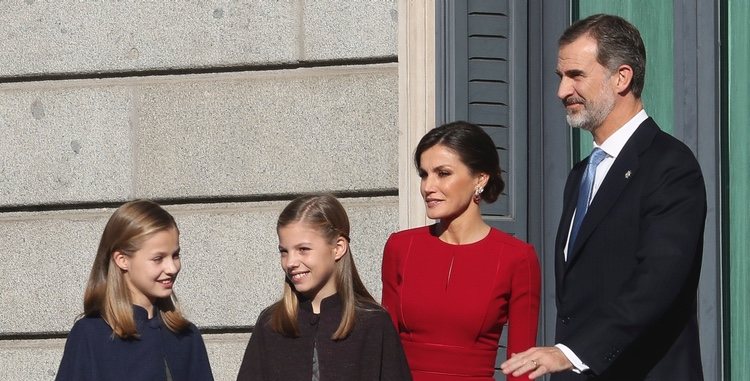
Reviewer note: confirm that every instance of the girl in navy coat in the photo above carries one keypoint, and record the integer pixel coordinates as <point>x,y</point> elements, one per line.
<point>326,325</point>
<point>132,327</point>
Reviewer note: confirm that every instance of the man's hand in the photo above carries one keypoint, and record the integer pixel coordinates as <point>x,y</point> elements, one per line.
<point>539,361</point>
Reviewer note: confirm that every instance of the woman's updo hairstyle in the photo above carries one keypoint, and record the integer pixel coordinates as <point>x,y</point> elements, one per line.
<point>473,146</point>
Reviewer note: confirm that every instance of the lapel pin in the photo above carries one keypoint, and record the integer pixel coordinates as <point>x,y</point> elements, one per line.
<point>628,174</point>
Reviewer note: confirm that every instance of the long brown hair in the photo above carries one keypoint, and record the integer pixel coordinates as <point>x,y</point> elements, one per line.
<point>326,214</point>
<point>107,293</point>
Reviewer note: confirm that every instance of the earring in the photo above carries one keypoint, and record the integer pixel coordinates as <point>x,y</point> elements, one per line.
<point>477,194</point>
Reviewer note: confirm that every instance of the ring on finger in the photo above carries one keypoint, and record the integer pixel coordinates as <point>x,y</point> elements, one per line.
<point>536,364</point>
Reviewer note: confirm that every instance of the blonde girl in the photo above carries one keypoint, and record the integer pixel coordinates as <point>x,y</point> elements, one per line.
<point>131,327</point>
<point>326,326</point>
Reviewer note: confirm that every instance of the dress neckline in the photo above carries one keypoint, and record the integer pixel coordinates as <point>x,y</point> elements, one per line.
<point>432,228</point>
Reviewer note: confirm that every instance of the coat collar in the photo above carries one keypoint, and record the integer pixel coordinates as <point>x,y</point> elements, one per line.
<point>332,302</point>
<point>141,315</point>
<point>329,316</point>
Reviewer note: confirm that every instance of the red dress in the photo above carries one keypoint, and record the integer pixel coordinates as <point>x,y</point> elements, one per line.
<point>449,302</point>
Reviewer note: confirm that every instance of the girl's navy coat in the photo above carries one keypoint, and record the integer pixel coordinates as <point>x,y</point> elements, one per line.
<point>93,353</point>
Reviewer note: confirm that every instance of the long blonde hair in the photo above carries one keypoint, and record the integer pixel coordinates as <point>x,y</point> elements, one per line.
<point>107,293</point>
<point>326,214</point>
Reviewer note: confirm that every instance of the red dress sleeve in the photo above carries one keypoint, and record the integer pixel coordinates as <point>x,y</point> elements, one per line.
<point>523,308</point>
<point>389,276</point>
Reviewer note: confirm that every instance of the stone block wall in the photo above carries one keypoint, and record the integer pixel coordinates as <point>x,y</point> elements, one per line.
<point>222,111</point>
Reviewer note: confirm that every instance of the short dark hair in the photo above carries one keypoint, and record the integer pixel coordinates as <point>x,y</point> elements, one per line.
<point>475,149</point>
<point>618,43</point>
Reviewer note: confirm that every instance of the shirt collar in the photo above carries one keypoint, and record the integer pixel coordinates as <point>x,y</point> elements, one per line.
<point>614,144</point>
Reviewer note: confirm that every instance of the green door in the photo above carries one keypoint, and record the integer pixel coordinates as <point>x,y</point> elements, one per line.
<point>737,169</point>
<point>654,19</point>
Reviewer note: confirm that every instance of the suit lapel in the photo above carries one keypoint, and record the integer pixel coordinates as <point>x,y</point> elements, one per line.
<point>619,175</point>
<point>570,195</point>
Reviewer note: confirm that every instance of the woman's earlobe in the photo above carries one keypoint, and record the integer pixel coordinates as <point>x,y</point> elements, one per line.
<point>484,179</point>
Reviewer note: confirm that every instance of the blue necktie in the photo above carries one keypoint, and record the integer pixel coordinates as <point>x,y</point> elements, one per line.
<point>584,194</point>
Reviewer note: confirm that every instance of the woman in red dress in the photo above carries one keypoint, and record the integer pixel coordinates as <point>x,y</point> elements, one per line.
<point>452,286</point>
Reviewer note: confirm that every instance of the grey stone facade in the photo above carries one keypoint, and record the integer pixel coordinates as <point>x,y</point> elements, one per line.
<point>222,111</point>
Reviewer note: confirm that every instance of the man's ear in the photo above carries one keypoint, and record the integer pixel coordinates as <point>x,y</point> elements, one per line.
<point>121,260</point>
<point>340,247</point>
<point>624,75</point>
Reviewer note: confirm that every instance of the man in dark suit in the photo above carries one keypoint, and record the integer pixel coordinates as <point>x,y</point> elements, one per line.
<point>629,244</point>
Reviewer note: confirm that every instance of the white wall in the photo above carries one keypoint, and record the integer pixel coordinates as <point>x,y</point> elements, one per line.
<point>221,111</point>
